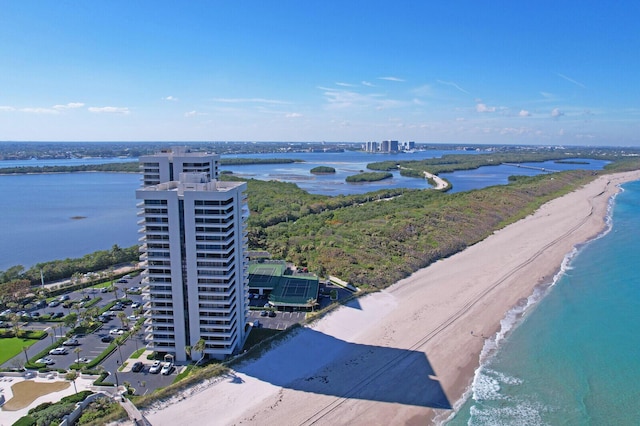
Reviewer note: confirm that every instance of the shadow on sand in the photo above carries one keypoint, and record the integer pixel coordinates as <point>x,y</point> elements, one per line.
<point>350,370</point>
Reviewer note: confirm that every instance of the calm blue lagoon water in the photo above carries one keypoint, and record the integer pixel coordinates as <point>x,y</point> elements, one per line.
<point>36,215</point>
<point>36,210</point>
<point>574,358</point>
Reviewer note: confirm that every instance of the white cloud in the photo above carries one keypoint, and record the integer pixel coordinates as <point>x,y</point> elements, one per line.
<point>391,79</point>
<point>6,108</point>
<point>524,113</point>
<point>70,105</point>
<point>556,113</point>
<point>170,98</point>
<point>547,95</point>
<point>484,108</point>
<point>367,83</point>
<point>109,110</point>
<point>194,113</point>
<point>251,100</point>
<point>425,90</point>
<point>570,80</point>
<point>40,110</point>
<point>344,84</point>
<point>453,84</point>
<point>293,115</point>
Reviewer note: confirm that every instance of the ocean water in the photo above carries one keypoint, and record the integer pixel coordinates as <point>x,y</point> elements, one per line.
<point>573,357</point>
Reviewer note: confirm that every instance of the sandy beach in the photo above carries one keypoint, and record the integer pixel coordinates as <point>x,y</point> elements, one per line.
<point>405,355</point>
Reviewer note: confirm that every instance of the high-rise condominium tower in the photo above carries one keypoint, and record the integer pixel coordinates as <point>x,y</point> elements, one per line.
<point>193,250</point>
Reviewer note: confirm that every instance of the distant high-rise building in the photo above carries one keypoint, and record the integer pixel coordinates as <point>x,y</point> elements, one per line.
<point>193,253</point>
<point>408,145</point>
<point>166,166</point>
<point>371,146</point>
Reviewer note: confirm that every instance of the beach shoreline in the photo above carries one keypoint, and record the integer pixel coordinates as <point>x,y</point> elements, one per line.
<point>409,353</point>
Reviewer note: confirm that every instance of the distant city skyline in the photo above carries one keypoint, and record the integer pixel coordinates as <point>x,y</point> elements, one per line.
<point>460,72</point>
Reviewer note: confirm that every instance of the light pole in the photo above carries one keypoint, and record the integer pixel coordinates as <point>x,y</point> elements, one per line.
<point>119,350</point>
<point>115,373</point>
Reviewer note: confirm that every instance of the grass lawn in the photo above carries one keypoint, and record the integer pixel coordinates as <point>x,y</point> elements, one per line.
<point>10,347</point>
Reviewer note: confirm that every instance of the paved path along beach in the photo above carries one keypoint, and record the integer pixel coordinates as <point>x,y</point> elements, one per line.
<point>405,355</point>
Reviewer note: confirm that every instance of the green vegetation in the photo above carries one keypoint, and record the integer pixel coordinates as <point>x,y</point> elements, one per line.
<point>454,162</point>
<point>322,170</point>
<point>373,244</point>
<point>127,167</point>
<point>368,177</point>
<point>12,346</point>
<point>61,269</point>
<point>101,411</point>
<point>131,166</point>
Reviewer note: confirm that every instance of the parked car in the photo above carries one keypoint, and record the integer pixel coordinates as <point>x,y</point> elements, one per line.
<point>272,314</point>
<point>107,339</point>
<point>57,315</point>
<point>84,360</point>
<point>64,297</point>
<point>256,324</point>
<point>104,290</point>
<point>71,342</point>
<point>58,351</point>
<point>167,368</point>
<point>137,366</point>
<point>54,303</point>
<point>135,305</point>
<point>46,361</point>
<point>155,367</point>
<point>116,332</point>
<point>263,313</point>
<point>134,289</point>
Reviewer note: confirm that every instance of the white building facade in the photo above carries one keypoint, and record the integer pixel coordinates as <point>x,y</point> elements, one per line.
<point>166,166</point>
<point>193,251</point>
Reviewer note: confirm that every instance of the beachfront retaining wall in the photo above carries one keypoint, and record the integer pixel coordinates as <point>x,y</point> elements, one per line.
<point>71,418</point>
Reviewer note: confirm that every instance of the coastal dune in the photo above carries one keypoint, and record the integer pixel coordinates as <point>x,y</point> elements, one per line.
<point>405,355</point>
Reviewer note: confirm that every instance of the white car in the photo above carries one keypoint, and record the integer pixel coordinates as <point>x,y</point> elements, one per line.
<point>116,331</point>
<point>46,361</point>
<point>167,367</point>
<point>58,351</point>
<point>155,367</point>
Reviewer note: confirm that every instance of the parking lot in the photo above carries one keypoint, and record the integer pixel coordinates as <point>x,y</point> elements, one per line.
<point>281,321</point>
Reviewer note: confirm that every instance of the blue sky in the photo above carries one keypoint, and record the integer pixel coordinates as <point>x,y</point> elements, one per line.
<point>510,72</point>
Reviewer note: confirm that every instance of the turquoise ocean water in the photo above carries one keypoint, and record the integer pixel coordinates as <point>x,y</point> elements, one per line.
<point>574,356</point>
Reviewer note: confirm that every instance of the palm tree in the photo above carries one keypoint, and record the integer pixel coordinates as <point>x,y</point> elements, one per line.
<point>313,303</point>
<point>77,352</point>
<point>123,319</point>
<point>187,349</point>
<point>200,346</point>
<point>16,324</point>
<point>72,376</point>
